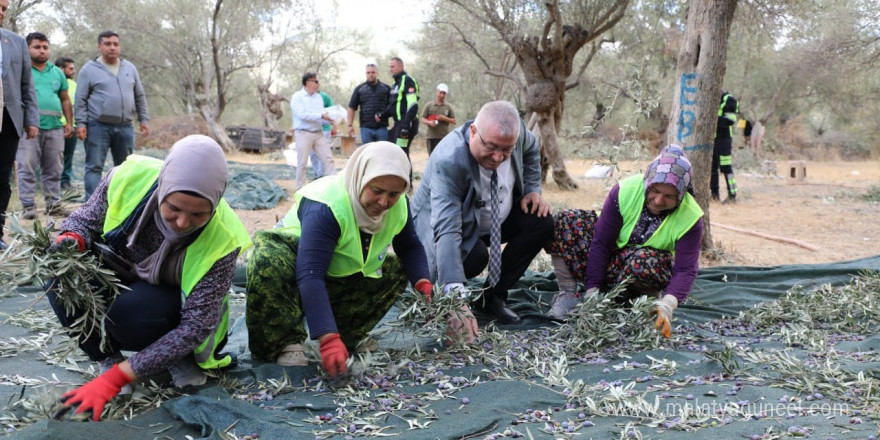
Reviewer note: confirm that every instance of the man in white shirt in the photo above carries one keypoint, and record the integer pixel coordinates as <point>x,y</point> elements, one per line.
<point>307,106</point>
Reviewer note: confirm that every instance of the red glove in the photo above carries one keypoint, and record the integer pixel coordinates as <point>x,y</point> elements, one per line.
<point>95,394</point>
<point>333,355</point>
<point>69,237</point>
<point>425,287</point>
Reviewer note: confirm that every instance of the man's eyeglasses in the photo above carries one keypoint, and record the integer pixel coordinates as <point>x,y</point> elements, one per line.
<point>493,148</point>
<point>314,81</point>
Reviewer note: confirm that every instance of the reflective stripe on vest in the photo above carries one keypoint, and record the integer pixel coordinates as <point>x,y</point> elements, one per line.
<point>348,257</point>
<point>223,234</point>
<point>729,116</point>
<point>411,98</point>
<point>631,199</point>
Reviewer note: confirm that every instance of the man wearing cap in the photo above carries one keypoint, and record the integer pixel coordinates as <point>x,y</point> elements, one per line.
<point>438,116</point>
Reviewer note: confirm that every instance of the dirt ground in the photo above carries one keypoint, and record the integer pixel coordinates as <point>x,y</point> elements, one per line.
<point>825,211</point>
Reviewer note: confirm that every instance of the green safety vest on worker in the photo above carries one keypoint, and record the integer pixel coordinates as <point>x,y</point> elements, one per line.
<point>348,257</point>
<point>631,199</point>
<point>71,92</point>
<point>224,233</point>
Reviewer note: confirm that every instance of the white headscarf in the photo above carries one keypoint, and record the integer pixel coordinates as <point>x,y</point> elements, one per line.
<point>368,162</point>
<point>195,164</point>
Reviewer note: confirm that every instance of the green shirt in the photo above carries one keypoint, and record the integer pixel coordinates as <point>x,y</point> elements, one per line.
<point>49,84</point>
<point>328,102</point>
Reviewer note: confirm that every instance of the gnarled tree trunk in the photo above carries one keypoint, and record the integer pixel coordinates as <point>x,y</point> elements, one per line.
<point>217,130</point>
<point>702,62</point>
<point>545,100</point>
<point>547,60</point>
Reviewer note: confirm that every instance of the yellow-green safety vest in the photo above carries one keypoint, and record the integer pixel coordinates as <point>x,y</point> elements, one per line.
<point>348,257</point>
<point>223,234</point>
<point>730,116</point>
<point>631,198</point>
<point>71,92</point>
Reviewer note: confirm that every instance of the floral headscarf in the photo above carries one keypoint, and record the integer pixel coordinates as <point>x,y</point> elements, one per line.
<point>673,167</point>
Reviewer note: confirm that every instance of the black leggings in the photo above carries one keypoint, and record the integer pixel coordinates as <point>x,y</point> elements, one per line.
<point>137,318</point>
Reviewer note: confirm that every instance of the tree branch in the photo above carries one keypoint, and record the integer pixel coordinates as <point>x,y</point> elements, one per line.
<point>218,70</point>
<point>593,51</point>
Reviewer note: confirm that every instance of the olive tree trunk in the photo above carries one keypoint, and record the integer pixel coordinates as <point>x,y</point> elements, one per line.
<point>702,62</point>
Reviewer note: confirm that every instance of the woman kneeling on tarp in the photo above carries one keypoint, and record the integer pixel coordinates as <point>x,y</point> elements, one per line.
<point>329,263</point>
<point>649,232</point>
<point>174,242</point>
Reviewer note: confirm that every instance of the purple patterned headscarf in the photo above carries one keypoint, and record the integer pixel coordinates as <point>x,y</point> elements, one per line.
<point>672,167</point>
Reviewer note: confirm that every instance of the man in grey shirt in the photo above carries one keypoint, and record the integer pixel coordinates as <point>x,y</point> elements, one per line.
<point>109,96</point>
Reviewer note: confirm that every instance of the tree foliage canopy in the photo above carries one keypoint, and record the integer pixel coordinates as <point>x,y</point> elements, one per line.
<point>805,63</point>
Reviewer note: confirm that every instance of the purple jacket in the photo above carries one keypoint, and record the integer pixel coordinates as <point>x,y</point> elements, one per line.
<point>687,250</point>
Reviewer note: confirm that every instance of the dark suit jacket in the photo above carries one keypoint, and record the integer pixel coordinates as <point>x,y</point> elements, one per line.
<point>445,205</point>
<point>19,97</point>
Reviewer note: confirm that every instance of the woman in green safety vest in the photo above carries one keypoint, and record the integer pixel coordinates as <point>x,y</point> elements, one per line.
<point>328,264</point>
<point>174,242</point>
<point>648,235</point>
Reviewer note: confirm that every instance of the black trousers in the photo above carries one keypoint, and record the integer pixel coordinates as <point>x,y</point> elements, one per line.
<point>432,144</point>
<point>137,318</point>
<point>722,161</point>
<point>525,235</point>
<point>394,133</point>
<point>8,147</point>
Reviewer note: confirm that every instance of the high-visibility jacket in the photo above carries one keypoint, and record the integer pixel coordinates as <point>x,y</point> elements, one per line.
<point>631,199</point>
<point>348,257</point>
<point>224,233</point>
<point>727,111</point>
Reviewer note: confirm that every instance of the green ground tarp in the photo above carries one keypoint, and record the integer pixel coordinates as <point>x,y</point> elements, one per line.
<point>693,398</point>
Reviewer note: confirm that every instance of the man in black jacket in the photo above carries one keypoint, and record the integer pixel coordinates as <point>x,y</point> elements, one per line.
<point>403,106</point>
<point>372,98</point>
<point>723,149</point>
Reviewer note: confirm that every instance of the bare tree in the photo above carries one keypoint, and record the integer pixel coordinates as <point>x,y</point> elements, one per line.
<point>547,57</point>
<point>17,8</point>
<point>271,106</point>
<point>702,62</point>
<point>195,49</point>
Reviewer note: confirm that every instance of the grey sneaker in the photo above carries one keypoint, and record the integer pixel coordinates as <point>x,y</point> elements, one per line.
<point>29,213</point>
<point>185,372</point>
<point>105,366</point>
<point>563,303</point>
<point>293,355</point>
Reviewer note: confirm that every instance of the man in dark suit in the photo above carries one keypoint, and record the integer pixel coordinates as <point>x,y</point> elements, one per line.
<point>453,205</point>
<point>20,113</point>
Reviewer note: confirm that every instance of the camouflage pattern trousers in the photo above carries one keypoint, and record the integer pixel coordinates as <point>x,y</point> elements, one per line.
<point>275,316</point>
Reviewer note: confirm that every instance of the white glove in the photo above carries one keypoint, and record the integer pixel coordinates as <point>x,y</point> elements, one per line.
<point>663,309</point>
<point>591,292</point>
<point>456,289</point>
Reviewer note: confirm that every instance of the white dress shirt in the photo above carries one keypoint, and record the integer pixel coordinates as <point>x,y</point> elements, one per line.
<point>505,193</point>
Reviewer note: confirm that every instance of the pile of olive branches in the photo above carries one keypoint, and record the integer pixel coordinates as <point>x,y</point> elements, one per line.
<point>83,287</point>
